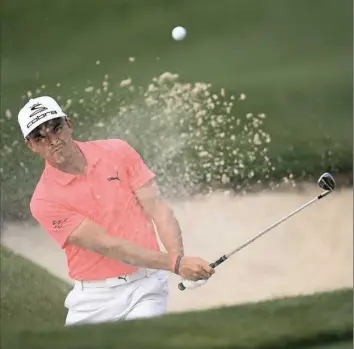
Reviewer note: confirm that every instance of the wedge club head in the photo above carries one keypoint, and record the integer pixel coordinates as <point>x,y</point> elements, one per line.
<point>327,182</point>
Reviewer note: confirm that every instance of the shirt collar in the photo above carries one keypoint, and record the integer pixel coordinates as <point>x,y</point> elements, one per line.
<point>63,178</point>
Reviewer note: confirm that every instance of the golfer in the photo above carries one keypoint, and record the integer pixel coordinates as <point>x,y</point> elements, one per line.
<point>99,201</point>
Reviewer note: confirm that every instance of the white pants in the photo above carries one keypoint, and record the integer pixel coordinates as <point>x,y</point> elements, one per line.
<point>145,297</point>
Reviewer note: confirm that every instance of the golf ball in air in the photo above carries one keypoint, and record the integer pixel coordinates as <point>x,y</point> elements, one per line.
<point>179,33</point>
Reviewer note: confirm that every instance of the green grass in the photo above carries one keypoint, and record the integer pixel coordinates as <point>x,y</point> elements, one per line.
<point>317,320</point>
<point>32,316</point>
<point>30,296</point>
<point>341,345</point>
<point>292,58</point>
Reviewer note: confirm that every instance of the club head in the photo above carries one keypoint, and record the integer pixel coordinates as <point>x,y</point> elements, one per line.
<point>327,182</point>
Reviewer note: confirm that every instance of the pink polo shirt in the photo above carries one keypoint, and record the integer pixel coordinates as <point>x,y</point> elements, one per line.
<point>105,195</point>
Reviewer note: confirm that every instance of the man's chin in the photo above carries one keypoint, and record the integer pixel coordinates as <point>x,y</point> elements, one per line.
<point>58,158</point>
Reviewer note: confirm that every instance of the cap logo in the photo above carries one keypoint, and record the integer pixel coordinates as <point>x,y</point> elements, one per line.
<point>37,108</point>
<point>38,117</point>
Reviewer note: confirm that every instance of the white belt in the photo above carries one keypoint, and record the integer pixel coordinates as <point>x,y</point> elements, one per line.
<point>116,281</point>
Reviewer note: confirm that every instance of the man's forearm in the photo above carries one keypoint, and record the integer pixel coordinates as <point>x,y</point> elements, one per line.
<point>169,230</point>
<point>138,256</point>
<point>93,237</point>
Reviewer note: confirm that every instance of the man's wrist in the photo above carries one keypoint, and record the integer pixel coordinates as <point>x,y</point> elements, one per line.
<point>175,264</point>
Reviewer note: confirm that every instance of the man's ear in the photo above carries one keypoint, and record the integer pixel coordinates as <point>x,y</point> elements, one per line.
<point>69,123</point>
<point>29,145</point>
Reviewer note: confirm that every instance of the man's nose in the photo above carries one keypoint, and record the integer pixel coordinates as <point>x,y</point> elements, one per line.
<point>51,138</point>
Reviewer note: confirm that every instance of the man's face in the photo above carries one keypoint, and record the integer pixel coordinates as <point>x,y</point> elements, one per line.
<point>52,140</point>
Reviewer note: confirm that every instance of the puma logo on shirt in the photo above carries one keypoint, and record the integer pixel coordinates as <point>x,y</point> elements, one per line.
<point>113,178</point>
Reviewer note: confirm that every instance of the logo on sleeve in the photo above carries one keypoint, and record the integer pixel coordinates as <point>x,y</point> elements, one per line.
<point>58,224</point>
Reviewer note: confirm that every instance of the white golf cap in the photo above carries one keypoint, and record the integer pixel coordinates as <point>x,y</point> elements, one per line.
<point>36,111</point>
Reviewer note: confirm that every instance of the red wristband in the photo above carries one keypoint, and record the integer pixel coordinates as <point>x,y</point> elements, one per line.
<point>176,260</point>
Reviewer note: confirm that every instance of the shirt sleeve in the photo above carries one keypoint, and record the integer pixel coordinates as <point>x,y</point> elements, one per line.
<point>138,172</point>
<point>58,221</point>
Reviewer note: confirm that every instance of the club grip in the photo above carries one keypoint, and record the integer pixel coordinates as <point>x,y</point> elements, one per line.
<point>219,261</point>
<point>181,286</point>
<point>213,265</point>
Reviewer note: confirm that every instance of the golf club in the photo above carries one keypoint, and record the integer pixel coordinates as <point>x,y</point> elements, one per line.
<point>326,182</point>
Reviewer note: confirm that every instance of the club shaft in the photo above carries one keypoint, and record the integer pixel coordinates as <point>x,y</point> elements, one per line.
<point>276,224</point>
<point>226,256</point>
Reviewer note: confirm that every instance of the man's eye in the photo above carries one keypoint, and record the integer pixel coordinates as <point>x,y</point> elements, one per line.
<point>56,129</point>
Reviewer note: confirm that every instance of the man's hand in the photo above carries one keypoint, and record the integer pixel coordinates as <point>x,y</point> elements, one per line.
<point>194,268</point>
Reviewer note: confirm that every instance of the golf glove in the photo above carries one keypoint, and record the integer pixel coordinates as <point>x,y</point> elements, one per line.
<point>190,284</point>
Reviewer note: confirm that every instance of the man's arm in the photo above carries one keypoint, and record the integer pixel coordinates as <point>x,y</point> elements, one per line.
<point>166,223</point>
<point>140,180</point>
<point>91,236</point>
